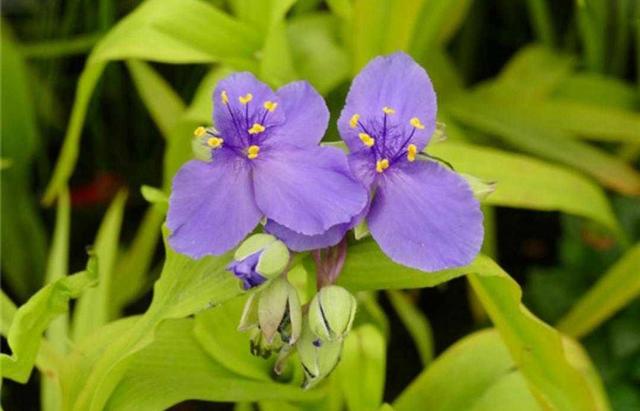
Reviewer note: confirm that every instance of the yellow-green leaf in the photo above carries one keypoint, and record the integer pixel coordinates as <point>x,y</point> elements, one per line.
<point>616,288</point>
<point>526,182</point>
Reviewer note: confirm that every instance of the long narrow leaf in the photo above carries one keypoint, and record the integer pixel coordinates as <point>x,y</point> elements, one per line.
<point>617,287</point>
<point>536,348</point>
<point>518,130</point>
<point>92,309</point>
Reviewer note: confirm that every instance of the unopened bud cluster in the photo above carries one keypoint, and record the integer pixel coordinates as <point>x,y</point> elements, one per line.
<point>274,316</point>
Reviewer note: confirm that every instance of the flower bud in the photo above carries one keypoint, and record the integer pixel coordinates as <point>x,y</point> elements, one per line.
<point>279,312</point>
<point>318,358</point>
<point>481,189</point>
<point>259,257</point>
<point>331,313</point>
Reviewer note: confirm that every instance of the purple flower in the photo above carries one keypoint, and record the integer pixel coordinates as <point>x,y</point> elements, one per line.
<point>246,271</point>
<point>265,162</point>
<point>422,214</point>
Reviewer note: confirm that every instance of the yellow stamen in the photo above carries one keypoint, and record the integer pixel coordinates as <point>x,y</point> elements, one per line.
<point>388,110</point>
<point>415,121</point>
<point>199,132</point>
<point>224,97</point>
<point>412,150</point>
<point>270,105</point>
<point>354,120</point>
<point>252,152</point>
<point>382,165</point>
<point>215,142</point>
<point>246,98</point>
<point>366,139</point>
<point>256,128</point>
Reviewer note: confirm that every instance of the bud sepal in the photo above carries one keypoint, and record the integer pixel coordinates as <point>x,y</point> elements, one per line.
<point>331,313</point>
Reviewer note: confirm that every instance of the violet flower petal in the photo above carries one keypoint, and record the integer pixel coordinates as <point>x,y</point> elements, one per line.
<point>306,115</point>
<point>300,242</point>
<point>425,216</point>
<point>397,82</point>
<point>211,205</point>
<point>307,190</point>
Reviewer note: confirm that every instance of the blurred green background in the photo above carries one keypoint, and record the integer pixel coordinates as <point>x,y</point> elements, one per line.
<point>555,81</point>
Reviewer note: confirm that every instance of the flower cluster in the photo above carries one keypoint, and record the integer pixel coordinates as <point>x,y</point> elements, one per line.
<point>263,163</point>
<point>275,318</point>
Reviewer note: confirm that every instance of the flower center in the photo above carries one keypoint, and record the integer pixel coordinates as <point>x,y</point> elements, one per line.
<point>388,141</point>
<point>250,126</point>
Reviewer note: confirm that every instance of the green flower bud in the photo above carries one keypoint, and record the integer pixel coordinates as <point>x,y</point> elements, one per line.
<point>481,189</point>
<point>259,258</point>
<point>274,255</point>
<point>279,312</point>
<point>318,358</point>
<point>331,313</point>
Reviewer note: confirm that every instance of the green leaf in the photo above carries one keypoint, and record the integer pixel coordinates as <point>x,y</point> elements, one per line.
<point>438,22</point>
<point>476,373</point>
<point>526,182</point>
<point>163,103</point>
<point>185,287</point>
<point>154,195</point>
<point>57,268</point>
<point>368,22</point>
<point>217,332</point>
<point>597,89</point>
<point>416,323</point>
<point>170,31</point>
<point>341,8</point>
<point>263,14</point>
<point>361,370</point>
<point>33,318</point>
<point>513,125</point>
<point>276,65</point>
<point>93,308</point>
<point>133,266</point>
<point>592,22</point>
<point>615,289</point>
<point>367,268</point>
<point>534,72</point>
<point>22,241</point>
<point>48,49</point>
<point>402,19</point>
<point>7,313</point>
<point>536,348</point>
<point>594,122</point>
<point>541,20</point>
<point>317,53</point>
<point>175,368</point>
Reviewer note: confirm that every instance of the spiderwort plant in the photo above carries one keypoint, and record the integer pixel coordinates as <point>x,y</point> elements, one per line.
<point>422,214</point>
<point>264,162</point>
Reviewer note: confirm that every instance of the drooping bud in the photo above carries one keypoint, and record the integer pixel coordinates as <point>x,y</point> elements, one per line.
<point>440,133</point>
<point>279,312</point>
<point>259,258</point>
<point>331,313</point>
<point>318,357</point>
<point>481,189</point>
